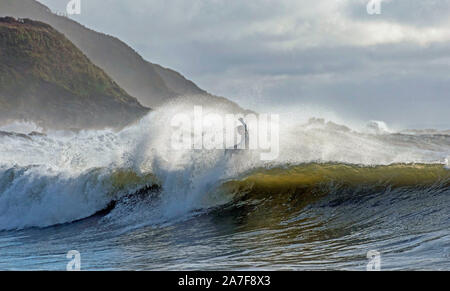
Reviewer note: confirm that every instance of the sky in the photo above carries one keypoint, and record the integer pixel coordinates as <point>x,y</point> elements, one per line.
<point>286,54</point>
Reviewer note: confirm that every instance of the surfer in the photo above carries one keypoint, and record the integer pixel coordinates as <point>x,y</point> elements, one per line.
<point>242,130</point>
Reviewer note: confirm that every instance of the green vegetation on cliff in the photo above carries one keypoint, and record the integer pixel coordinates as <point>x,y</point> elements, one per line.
<point>46,79</point>
<point>151,84</point>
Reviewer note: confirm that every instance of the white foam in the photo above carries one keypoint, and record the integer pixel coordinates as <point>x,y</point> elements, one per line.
<point>21,127</point>
<point>378,127</point>
<point>39,196</point>
<point>70,179</point>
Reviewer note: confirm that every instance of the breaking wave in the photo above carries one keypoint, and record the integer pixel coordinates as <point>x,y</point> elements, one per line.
<point>60,177</point>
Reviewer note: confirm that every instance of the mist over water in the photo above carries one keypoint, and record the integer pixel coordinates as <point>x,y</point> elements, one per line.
<point>337,190</point>
<point>359,132</point>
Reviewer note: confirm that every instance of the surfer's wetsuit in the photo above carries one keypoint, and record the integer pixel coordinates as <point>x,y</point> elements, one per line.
<point>246,139</point>
<point>238,148</point>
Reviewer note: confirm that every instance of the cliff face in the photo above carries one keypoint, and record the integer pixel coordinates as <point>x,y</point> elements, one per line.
<point>151,84</point>
<point>46,79</point>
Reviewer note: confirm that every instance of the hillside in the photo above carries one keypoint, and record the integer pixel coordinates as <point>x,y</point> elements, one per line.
<point>151,84</point>
<point>46,79</point>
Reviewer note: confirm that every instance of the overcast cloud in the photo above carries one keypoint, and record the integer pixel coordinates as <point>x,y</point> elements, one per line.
<point>271,54</point>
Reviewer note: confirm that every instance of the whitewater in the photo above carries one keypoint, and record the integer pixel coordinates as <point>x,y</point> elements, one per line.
<point>331,186</point>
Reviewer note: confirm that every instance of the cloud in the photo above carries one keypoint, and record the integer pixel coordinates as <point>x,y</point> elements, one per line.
<point>392,66</point>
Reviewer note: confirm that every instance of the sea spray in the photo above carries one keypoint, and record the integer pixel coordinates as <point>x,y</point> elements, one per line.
<point>61,177</point>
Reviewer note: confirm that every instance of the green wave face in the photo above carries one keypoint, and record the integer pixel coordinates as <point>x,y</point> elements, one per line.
<point>324,177</point>
<point>128,181</point>
<point>316,202</point>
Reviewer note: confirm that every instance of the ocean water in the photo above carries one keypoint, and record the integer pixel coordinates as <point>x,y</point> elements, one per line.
<point>126,200</point>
